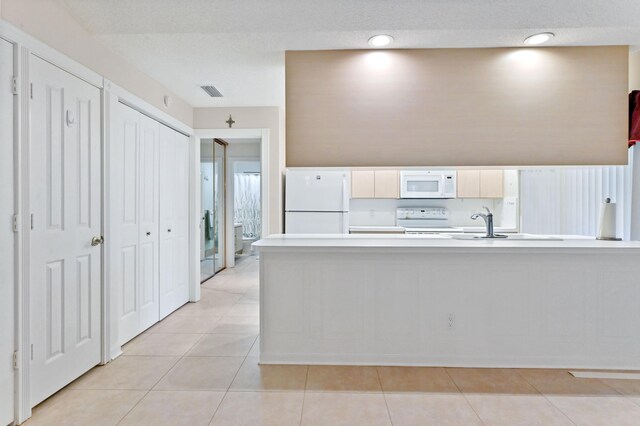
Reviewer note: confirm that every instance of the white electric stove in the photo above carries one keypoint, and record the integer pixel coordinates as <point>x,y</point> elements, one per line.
<point>424,220</point>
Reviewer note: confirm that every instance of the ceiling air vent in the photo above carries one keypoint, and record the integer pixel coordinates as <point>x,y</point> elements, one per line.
<point>212,91</point>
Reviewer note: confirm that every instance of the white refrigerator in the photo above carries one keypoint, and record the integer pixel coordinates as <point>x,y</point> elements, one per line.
<point>316,202</point>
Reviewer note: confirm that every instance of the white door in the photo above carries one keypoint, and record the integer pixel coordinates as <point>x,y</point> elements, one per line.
<point>174,220</point>
<point>134,195</point>
<point>7,298</point>
<point>65,198</point>
<point>124,167</point>
<point>309,190</point>
<point>149,222</point>
<point>316,223</point>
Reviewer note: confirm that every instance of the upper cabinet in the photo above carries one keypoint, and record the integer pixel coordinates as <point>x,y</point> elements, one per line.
<point>375,184</point>
<point>491,184</point>
<point>362,184</point>
<point>480,184</point>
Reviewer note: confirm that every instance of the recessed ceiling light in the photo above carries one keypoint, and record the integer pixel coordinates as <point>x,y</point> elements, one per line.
<point>380,40</point>
<point>536,39</point>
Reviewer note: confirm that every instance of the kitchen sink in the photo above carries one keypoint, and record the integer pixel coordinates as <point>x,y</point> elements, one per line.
<point>524,237</point>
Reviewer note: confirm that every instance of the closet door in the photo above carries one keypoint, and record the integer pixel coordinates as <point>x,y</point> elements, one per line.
<point>65,249</point>
<point>7,295</point>
<point>149,222</point>
<point>174,207</point>
<point>124,218</point>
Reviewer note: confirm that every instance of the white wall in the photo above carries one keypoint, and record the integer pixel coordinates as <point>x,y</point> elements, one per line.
<point>271,118</point>
<point>634,70</point>
<point>49,22</point>
<point>372,212</point>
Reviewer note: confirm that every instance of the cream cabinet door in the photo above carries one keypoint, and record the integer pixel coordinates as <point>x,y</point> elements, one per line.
<point>386,184</point>
<point>491,183</point>
<point>362,184</point>
<point>468,183</point>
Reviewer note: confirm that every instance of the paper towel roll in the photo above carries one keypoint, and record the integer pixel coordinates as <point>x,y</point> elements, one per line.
<point>607,229</point>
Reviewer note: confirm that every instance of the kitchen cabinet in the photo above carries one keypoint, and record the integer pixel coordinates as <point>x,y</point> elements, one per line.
<point>468,183</point>
<point>362,184</point>
<point>386,184</point>
<point>491,183</point>
<point>375,184</point>
<point>480,184</point>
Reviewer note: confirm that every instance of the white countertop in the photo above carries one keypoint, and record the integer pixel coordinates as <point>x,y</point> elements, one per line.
<point>376,228</point>
<point>390,228</point>
<point>433,241</point>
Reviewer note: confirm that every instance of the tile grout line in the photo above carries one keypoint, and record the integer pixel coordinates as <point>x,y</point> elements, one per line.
<point>304,395</point>
<point>384,396</point>
<point>226,392</point>
<point>149,390</point>
<point>446,370</point>
<point>546,398</point>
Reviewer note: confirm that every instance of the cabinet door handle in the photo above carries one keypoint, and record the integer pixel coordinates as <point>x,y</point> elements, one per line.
<point>148,233</point>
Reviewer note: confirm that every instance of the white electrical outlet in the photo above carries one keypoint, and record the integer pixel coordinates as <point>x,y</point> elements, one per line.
<point>451,322</point>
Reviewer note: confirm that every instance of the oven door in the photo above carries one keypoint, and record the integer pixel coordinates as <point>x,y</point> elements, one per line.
<point>421,184</point>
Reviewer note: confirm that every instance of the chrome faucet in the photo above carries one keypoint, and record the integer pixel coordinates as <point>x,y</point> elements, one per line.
<point>488,221</point>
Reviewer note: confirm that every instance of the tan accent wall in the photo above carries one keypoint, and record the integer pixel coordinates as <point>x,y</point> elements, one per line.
<point>49,22</point>
<point>457,107</point>
<point>271,118</point>
<point>634,70</point>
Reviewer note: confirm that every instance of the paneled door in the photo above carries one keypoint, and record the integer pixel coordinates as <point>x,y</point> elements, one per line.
<point>174,220</point>
<point>65,240</point>
<point>7,277</point>
<point>134,219</point>
<point>149,222</point>
<point>124,215</point>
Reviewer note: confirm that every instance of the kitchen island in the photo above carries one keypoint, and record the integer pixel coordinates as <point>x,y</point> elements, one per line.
<point>440,301</point>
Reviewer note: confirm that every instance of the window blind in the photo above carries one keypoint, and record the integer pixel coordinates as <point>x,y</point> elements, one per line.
<point>568,200</point>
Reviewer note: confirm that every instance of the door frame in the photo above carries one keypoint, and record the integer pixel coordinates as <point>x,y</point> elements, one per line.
<point>112,95</point>
<point>25,46</point>
<point>224,134</point>
<point>231,191</point>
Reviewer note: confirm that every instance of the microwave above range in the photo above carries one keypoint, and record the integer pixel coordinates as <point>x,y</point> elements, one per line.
<point>427,184</point>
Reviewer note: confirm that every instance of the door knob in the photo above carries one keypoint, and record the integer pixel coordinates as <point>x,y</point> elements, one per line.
<point>96,241</point>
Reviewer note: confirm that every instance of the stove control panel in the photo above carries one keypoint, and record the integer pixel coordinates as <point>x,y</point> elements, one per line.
<point>422,213</point>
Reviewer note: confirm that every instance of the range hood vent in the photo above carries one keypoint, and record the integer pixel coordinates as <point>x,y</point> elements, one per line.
<point>212,91</point>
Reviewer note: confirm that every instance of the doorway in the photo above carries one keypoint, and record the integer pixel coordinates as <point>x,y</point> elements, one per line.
<point>213,160</point>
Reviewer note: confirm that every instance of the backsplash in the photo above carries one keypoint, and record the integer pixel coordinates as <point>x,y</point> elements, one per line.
<point>379,212</point>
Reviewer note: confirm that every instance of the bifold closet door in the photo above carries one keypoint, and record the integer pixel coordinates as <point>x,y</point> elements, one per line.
<point>149,222</point>
<point>66,224</point>
<point>7,254</point>
<point>174,220</point>
<point>133,214</point>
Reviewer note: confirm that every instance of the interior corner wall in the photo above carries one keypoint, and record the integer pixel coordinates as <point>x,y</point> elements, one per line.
<point>271,118</point>
<point>51,23</point>
<point>634,70</point>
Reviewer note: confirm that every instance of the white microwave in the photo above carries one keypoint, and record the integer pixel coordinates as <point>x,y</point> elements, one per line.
<point>427,184</point>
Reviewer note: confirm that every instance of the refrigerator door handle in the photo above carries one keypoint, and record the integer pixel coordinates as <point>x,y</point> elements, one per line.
<point>345,194</point>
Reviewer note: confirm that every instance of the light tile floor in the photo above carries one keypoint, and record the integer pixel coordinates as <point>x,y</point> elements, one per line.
<point>200,366</point>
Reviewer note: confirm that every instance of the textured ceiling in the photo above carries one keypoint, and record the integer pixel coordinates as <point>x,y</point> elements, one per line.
<point>238,45</point>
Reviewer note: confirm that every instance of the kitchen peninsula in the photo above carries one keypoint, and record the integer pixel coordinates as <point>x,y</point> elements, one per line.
<point>439,300</point>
